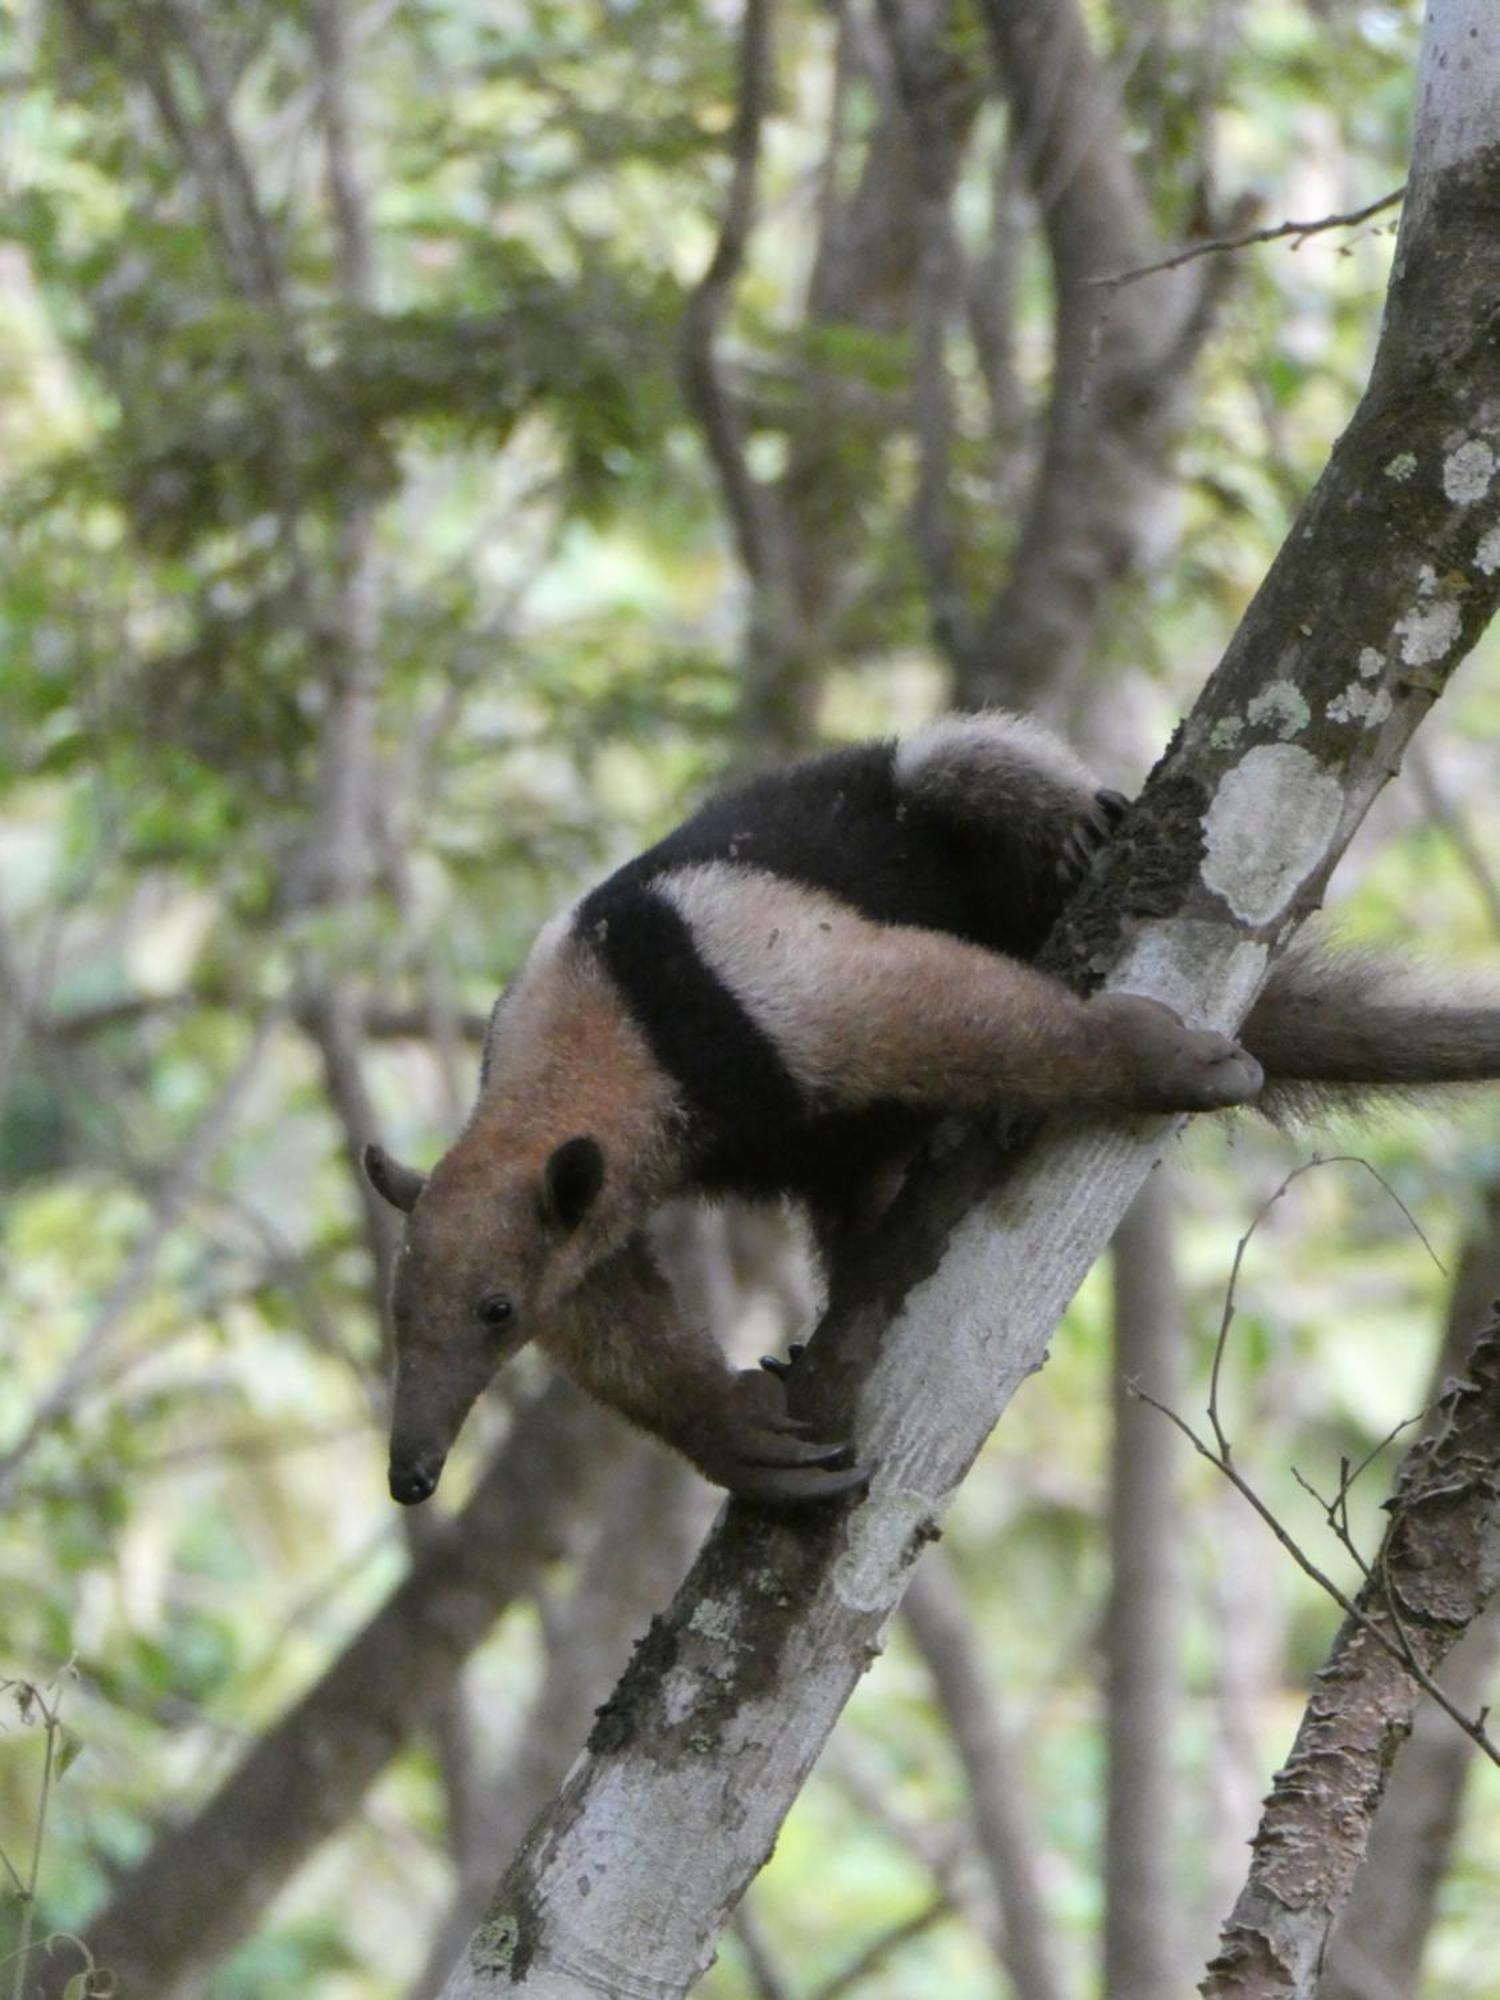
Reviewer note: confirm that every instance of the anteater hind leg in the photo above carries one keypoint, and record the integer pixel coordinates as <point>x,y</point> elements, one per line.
<point>862,1012</point>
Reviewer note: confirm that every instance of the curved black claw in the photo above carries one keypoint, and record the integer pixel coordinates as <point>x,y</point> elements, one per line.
<point>765,1454</point>
<point>774,1365</point>
<point>795,1486</point>
<point>1089,832</point>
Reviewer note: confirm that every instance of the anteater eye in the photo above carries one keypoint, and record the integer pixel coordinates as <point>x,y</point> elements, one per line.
<point>494,1309</point>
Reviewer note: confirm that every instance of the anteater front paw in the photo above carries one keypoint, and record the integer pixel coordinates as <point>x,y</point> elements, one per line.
<point>1089,833</point>
<point>1168,1066</point>
<point>761,1452</point>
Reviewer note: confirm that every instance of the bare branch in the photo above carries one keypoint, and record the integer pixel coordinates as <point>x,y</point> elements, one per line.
<point>1436,1571</point>
<point>1215,245</point>
<point>1226,1317</point>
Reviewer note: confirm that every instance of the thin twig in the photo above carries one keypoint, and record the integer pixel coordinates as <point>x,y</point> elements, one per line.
<point>1216,245</point>
<point>1399,1649</point>
<point>1227,1316</point>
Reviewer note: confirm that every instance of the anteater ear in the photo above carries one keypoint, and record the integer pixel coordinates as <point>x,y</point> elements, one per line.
<point>399,1185</point>
<point>575,1174</point>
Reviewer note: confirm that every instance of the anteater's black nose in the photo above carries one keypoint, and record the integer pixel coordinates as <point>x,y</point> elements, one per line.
<point>411,1484</point>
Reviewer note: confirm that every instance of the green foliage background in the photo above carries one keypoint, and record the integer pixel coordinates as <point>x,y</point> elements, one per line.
<point>561,634</point>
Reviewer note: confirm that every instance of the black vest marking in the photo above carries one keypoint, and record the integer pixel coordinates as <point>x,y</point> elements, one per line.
<point>738,1089</point>
<point>839,824</point>
<point>836,823</point>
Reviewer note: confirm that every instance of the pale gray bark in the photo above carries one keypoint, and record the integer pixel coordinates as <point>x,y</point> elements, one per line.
<point>650,1518</point>
<point>1143,1944</point>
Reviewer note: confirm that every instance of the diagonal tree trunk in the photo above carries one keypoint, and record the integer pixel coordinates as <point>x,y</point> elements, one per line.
<point>1380,590</point>
<point>1434,1574</point>
<point>1376,1951</point>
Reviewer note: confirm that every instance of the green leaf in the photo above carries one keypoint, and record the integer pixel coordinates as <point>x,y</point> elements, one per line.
<point>69,1749</point>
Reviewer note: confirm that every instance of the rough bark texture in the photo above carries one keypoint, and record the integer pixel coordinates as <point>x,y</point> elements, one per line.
<point>1376,1952</point>
<point>1438,1567</point>
<point>1142,1886</point>
<point>202,1884</point>
<point>1382,587</point>
<point>1377,1948</point>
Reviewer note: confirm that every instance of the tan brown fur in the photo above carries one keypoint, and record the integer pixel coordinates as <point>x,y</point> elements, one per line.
<point>624,1338</point>
<point>781,997</point>
<point>862,1011</point>
<point>571,1060</point>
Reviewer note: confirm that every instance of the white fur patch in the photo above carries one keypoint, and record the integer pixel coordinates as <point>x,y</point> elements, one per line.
<point>994,737</point>
<point>781,950</point>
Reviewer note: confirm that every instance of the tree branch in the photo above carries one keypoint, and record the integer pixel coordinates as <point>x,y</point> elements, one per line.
<point>1436,1571</point>
<point>1121,363</point>
<point>1375,598</point>
<point>1215,245</point>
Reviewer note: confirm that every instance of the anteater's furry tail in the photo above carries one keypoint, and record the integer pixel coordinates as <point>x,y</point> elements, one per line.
<point>1333,1027</point>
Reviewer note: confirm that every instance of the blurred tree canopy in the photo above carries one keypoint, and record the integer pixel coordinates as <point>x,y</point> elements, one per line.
<point>377,573</point>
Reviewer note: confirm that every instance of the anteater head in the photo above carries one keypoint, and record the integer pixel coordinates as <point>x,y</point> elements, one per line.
<point>489,1243</point>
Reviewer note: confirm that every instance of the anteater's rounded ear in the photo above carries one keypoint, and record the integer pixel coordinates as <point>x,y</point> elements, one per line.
<point>399,1185</point>
<point>575,1174</point>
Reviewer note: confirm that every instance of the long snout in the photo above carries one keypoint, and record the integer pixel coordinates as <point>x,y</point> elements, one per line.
<point>434,1392</point>
<point>413,1480</point>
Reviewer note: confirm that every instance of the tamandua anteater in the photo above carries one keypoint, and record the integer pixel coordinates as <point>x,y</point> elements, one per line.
<point>780,998</point>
